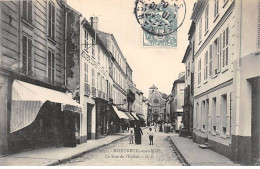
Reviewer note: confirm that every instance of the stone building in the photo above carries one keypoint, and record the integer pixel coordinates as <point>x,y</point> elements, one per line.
<point>157,102</point>
<point>35,107</point>
<point>178,100</point>
<point>226,76</point>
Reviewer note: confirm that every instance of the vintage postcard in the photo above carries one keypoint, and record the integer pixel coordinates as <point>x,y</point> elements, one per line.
<point>129,83</point>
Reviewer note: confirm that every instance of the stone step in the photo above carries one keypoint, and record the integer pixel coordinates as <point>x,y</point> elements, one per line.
<point>203,146</point>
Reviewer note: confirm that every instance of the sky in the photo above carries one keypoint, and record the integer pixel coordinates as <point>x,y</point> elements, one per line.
<point>150,65</point>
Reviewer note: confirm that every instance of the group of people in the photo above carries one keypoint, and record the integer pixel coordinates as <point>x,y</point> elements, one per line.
<point>164,127</point>
<point>137,135</point>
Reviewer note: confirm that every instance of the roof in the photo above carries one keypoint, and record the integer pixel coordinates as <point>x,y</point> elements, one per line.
<point>180,80</point>
<point>186,54</point>
<point>153,87</point>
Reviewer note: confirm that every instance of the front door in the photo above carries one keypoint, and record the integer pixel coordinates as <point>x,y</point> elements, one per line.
<point>89,120</point>
<point>3,126</point>
<point>255,125</point>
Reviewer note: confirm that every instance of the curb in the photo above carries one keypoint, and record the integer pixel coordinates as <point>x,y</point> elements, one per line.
<point>81,153</point>
<point>179,152</point>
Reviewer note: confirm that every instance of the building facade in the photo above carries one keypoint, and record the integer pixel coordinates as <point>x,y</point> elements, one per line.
<point>226,73</point>
<point>188,60</point>
<point>35,105</point>
<point>157,107</point>
<point>178,100</point>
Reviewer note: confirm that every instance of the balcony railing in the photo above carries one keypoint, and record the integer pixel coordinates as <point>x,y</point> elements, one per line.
<point>87,89</point>
<point>94,94</point>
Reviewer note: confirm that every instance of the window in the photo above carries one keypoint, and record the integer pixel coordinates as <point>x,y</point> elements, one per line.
<point>197,115</point>
<point>51,66</point>
<point>86,72</point>
<point>98,79</point>
<point>224,113</point>
<point>27,56</point>
<point>207,18</point>
<point>93,78</point>
<point>216,8</point>
<point>86,40</point>
<point>214,108</point>
<point>51,22</point>
<point>27,10</point>
<point>225,47</point>
<point>93,48</point>
<point>199,71</point>
<point>200,30</point>
<point>210,60</point>
<point>98,54</point>
<point>206,66</point>
<point>217,55</point>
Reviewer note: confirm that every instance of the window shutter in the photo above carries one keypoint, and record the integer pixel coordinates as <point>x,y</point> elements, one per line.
<point>30,11</point>
<point>24,54</point>
<point>258,28</point>
<point>30,57</point>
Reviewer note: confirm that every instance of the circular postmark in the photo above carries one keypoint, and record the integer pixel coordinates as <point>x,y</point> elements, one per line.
<point>160,17</point>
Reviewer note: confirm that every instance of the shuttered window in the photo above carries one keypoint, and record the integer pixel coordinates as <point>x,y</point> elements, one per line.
<point>216,8</point>
<point>206,66</point>
<point>51,20</point>
<point>51,66</point>
<point>225,47</point>
<point>27,10</point>
<point>27,55</point>
<point>210,60</point>
<point>207,18</point>
<point>199,71</point>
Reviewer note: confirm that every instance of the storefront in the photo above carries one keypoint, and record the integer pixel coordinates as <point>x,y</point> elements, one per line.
<point>42,117</point>
<point>124,120</point>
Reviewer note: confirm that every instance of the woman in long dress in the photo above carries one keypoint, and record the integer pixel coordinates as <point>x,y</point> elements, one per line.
<point>138,134</point>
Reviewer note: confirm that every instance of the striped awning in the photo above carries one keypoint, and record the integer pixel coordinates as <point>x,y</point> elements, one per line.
<point>120,114</point>
<point>27,99</point>
<point>134,115</point>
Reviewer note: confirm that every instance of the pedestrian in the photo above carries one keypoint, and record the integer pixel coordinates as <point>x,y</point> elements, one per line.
<point>150,136</point>
<point>155,127</point>
<point>138,134</point>
<point>131,137</point>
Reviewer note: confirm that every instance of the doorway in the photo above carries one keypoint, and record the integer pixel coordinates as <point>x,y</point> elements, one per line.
<point>89,120</point>
<point>255,121</point>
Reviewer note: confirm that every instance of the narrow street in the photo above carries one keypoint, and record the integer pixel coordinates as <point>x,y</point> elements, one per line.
<point>121,153</point>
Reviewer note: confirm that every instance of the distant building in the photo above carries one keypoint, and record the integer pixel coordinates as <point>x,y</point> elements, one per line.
<point>188,59</point>
<point>178,100</point>
<point>157,102</point>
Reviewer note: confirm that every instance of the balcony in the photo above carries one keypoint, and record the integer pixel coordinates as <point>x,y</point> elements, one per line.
<point>87,89</point>
<point>130,96</point>
<point>94,94</point>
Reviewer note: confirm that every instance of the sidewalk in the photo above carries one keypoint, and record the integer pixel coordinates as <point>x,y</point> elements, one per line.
<point>53,156</point>
<point>196,156</point>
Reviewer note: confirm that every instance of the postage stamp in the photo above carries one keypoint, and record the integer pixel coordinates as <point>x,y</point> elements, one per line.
<point>159,21</point>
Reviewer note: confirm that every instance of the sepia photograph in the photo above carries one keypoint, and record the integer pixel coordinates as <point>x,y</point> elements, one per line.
<point>130,83</point>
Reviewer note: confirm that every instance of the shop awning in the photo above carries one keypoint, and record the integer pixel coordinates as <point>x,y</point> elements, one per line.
<point>27,99</point>
<point>134,115</point>
<point>129,115</point>
<point>120,114</point>
<point>140,116</point>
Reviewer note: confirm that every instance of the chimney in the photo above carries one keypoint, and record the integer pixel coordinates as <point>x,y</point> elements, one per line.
<point>94,22</point>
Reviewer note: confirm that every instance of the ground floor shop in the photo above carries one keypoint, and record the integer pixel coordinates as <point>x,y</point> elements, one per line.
<point>36,116</point>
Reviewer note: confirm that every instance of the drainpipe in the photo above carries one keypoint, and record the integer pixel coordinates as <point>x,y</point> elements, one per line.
<point>237,77</point>
<point>65,48</point>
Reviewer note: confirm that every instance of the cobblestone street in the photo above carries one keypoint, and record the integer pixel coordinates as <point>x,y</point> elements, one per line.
<point>121,153</point>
